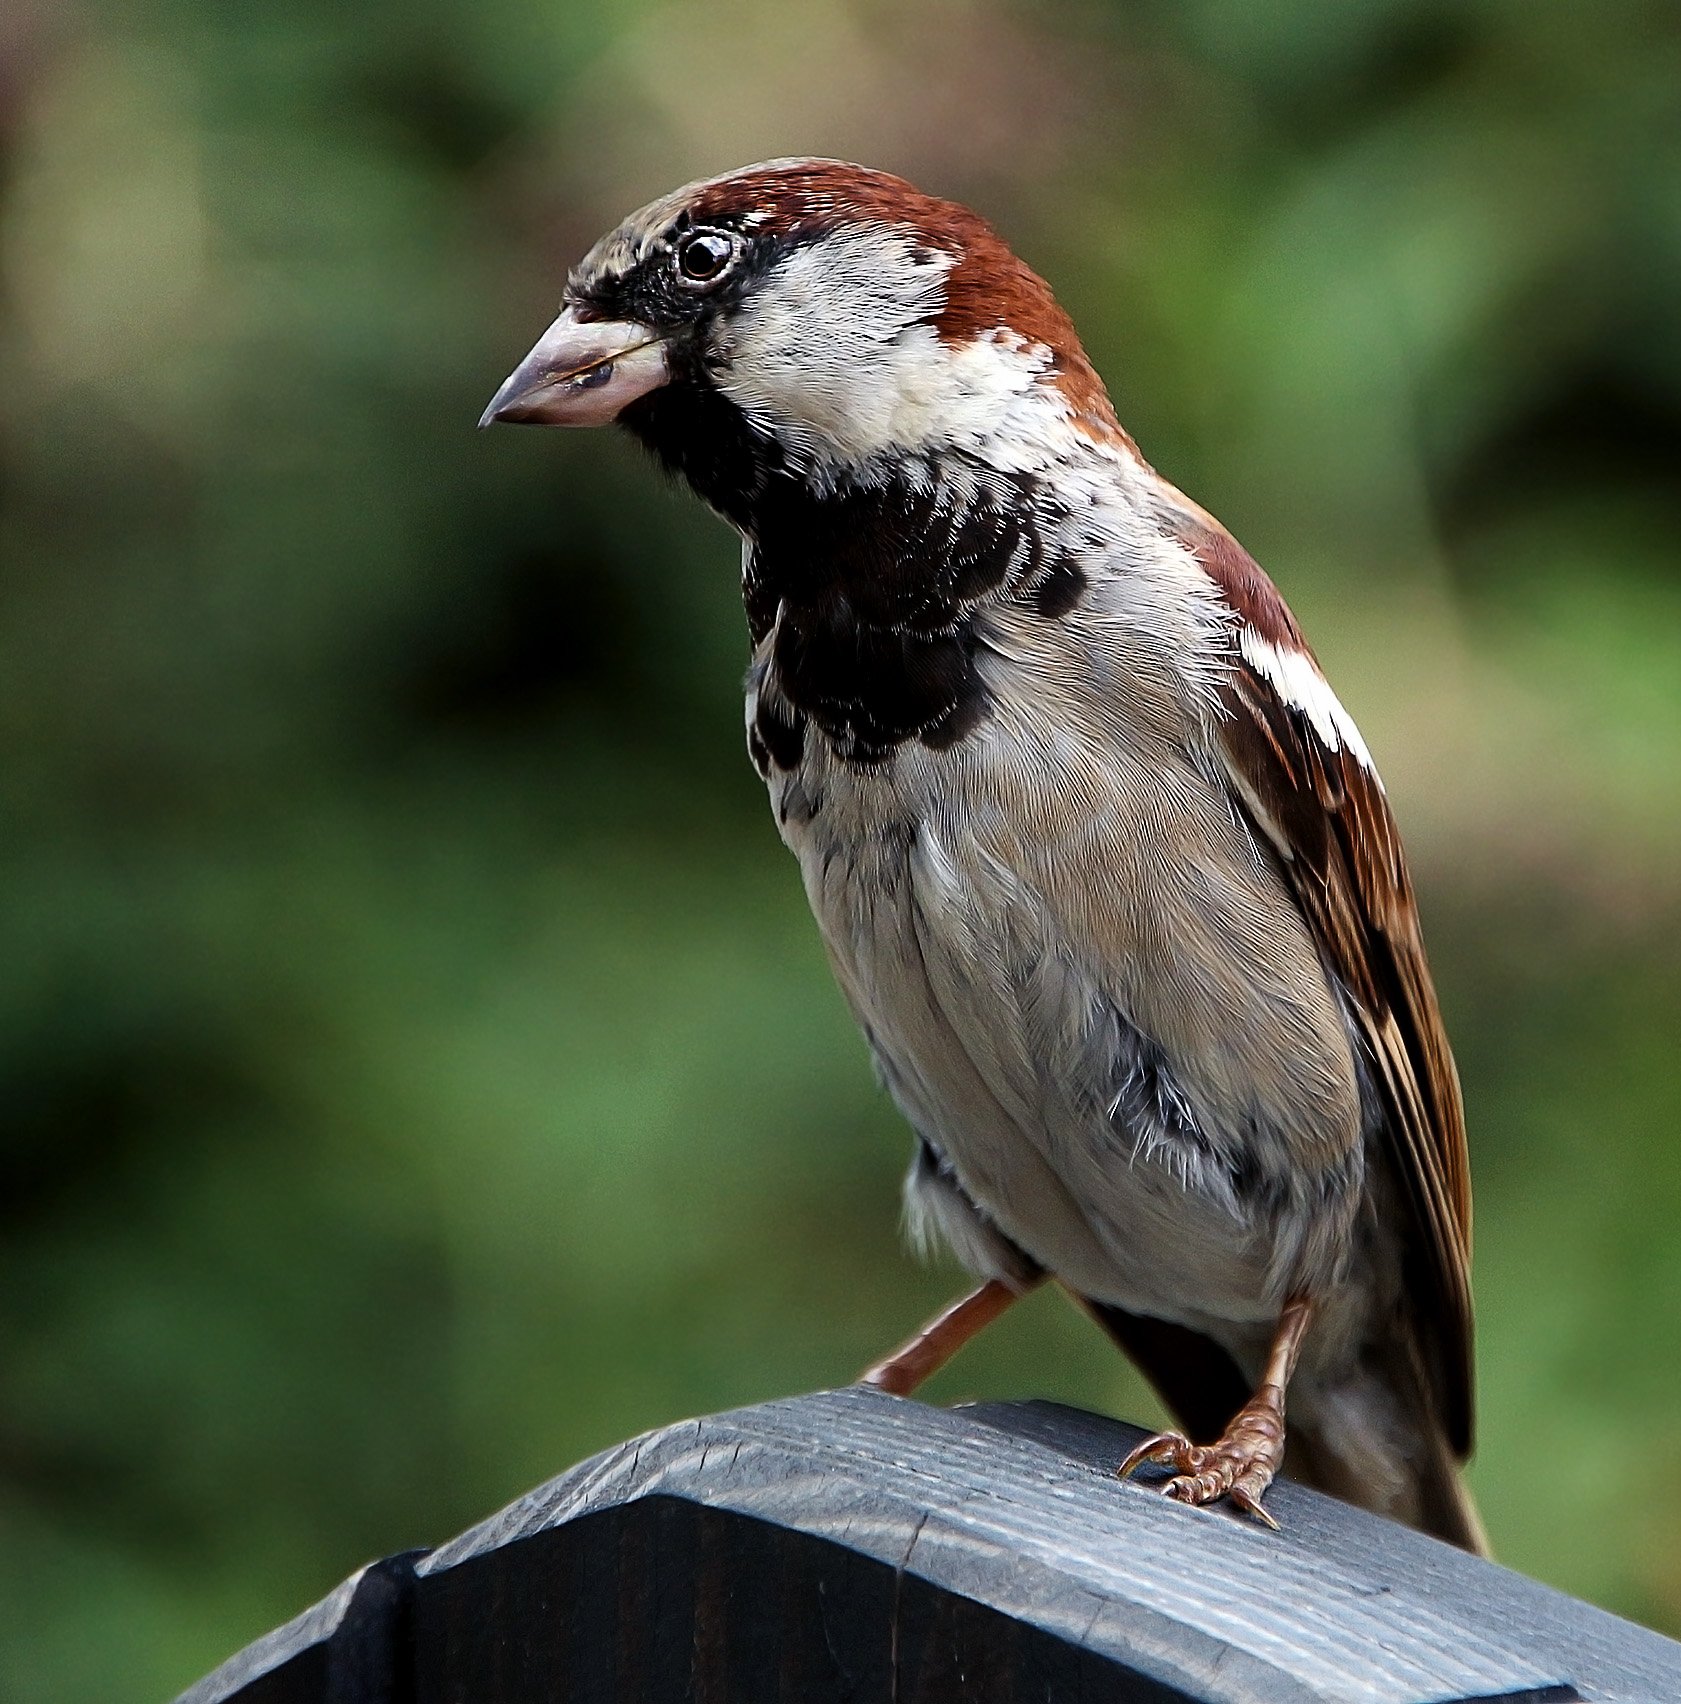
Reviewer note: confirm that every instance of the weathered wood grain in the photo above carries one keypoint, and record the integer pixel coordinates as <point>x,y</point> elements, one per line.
<point>855,1546</point>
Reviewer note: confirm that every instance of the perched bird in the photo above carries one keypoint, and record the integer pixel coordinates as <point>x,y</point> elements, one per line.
<point>1102,864</point>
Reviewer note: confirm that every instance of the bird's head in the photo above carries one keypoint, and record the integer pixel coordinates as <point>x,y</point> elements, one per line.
<point>809,319</point>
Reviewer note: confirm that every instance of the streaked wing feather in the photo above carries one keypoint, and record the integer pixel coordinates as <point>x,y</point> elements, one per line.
<point>1326,814</point>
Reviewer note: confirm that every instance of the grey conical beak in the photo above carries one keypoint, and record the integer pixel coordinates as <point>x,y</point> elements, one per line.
<point>580,372</point>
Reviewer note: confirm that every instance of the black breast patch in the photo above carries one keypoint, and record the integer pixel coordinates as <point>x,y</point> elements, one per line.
<point>877,590</point>
<point>873,588</point>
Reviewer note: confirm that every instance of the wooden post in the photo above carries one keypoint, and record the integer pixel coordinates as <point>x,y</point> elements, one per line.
<point>855,1546</point>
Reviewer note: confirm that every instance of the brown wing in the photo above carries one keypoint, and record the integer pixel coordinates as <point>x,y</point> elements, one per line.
<point>1325,812</point>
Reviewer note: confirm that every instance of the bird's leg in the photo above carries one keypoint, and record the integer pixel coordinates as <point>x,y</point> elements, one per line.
<point>922,1355</point>
<point>1242,1463</point>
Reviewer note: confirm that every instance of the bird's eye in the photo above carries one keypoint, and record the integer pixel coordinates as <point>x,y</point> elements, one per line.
<point>703,257</point>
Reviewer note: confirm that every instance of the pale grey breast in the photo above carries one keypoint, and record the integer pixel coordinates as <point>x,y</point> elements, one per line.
<point>1085,982</point>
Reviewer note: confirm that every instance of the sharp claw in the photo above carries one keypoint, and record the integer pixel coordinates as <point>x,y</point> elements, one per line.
<point>1251,1505</point>
<point>1203,1474</point>
<point>1163,1447</point>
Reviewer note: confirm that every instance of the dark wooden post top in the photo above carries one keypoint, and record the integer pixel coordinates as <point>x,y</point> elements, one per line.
<point>853,1546</point>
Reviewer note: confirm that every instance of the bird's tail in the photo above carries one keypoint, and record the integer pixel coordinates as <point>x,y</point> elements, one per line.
<point>1375,1440</point>
<point>1358,1445</point>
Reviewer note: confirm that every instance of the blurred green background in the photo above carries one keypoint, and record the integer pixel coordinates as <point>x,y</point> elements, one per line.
<point>417,1066</point>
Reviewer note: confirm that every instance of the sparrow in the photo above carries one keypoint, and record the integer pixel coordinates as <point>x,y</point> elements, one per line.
<point>1102,865</point>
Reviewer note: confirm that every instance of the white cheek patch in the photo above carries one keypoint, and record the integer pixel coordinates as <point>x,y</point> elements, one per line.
<point>833,353</point>
<point>1294,678</point>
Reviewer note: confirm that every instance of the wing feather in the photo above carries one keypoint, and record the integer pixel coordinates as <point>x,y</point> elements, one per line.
<point>1296,762</point>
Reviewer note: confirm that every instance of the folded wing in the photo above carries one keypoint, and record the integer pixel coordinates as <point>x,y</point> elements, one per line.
<point>1297,763</point>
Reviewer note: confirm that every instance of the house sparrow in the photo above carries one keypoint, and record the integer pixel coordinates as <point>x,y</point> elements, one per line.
<point>1102,864</point>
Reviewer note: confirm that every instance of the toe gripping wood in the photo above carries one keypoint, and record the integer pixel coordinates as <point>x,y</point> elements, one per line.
<point>854,1545</point>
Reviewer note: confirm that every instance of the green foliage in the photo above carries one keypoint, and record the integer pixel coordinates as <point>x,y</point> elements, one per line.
<point>418,1067</point>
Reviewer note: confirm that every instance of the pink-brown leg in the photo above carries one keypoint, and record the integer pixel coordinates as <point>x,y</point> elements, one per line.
<point>921,1356</point>
<point>1242,1463</point>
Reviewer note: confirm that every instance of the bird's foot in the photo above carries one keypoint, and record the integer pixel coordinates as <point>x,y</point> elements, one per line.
<point>1240,1466</point>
